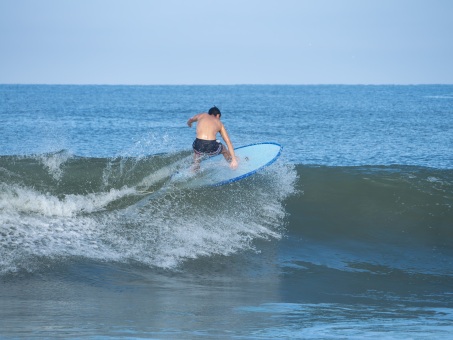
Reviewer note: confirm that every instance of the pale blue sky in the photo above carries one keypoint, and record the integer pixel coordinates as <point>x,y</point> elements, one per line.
<point>226,41</point>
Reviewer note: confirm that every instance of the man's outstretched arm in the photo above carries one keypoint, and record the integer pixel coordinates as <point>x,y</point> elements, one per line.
<point>193,119</point>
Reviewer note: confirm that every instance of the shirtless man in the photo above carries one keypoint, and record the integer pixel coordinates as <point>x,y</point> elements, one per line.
<point>208,124</point>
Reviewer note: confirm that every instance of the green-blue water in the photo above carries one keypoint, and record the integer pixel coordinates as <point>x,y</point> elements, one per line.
<point>348,235</point>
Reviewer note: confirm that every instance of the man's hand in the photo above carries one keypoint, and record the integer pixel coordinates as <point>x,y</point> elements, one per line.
<point>234,163</point>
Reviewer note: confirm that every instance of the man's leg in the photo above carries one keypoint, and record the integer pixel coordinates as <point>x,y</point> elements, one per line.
<point>226,153</point>
<point>196,162</point>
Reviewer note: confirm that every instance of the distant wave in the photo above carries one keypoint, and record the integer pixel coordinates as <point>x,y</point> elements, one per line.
<point>447,96</point>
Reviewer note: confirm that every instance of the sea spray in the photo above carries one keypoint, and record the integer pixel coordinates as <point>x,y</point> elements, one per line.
<point>53,162</point>
<point>109,222</point>
<point>189,223</point>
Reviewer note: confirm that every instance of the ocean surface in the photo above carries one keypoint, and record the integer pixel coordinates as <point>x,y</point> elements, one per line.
<point>349,235</point>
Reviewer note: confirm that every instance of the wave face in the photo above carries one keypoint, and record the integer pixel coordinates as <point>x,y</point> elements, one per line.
<point>57,206</point>
<point>397,217</point>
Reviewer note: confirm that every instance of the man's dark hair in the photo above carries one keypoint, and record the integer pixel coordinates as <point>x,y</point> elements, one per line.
<point>214,111</point>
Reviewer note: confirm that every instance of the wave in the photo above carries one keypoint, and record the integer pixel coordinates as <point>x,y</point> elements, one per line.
<point>401,201</point>
<point>374,218</point>
<point>59,206</point>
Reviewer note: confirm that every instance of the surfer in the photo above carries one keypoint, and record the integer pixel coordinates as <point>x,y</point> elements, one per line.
<point>205,144</point>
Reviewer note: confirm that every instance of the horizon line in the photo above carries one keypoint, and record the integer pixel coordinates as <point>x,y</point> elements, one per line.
<point>226,84</point>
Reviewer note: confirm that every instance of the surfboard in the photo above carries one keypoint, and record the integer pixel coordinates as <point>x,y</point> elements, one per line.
<point>215,171</point>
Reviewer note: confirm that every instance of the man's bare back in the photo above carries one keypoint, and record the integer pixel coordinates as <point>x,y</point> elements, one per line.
<point>208,125</point>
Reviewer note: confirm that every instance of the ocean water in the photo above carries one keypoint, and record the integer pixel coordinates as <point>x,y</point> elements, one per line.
<point>349,235</point>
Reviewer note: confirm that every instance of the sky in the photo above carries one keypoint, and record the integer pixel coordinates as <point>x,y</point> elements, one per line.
<point>147,42</point>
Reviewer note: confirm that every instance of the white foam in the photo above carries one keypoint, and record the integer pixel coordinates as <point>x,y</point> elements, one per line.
<point>14,198</point>
<point>165,232</point>
<point>26,240</point>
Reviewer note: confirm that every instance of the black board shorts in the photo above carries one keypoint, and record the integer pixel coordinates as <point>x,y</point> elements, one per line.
<point>203,147</point>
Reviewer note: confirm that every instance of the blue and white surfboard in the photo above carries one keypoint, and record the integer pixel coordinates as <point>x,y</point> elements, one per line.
<point>215,171</point>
